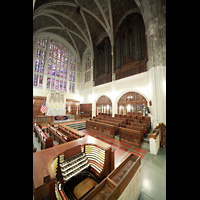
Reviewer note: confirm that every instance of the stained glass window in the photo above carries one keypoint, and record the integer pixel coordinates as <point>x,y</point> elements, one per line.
<point>87,67</point>
<point>65,86</point>
<point>41,81</point>
<point>61,72</point>
<point>61,84</point>
<point>88,76</point>
<point>57,65</point>
<point>58,71</point>
<point>70,85</point>
<point>35,79</point>
<point>53,70</point>
<point>37,65</point>
<point>72,63</point>
<point>138,107</point>
<point>49,68</point>
<point>42,66</point>
<point>52,83</point>
<point>40,63</point>
<point>48,82</point>
<point>57,84</point>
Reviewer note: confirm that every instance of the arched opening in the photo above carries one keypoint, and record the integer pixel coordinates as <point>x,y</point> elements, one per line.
<point>132,103</point>
<point>104,105</point>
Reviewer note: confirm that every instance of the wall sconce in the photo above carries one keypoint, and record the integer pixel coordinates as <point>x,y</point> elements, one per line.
<point>150,103</point>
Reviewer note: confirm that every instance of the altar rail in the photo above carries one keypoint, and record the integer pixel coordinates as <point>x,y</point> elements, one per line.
<point>43,119</point>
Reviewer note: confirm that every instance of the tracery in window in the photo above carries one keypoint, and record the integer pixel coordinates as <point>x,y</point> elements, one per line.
<point>88,67</point>
<point>40,63</point>
<point>72,73</point>
<point>57,66</point>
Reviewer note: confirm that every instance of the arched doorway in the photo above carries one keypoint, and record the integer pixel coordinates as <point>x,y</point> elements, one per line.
<point>132,103</point>
<point>104,105</point>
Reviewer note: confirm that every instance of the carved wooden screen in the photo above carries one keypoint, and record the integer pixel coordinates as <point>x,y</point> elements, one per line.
<point>104,105</point>
<point>132,103</point>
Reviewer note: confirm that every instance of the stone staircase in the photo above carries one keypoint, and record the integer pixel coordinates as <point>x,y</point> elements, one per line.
<point>145,144</point>
<point>78,126</point>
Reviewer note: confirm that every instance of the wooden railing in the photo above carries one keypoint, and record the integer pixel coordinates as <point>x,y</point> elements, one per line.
<point>43,119</point>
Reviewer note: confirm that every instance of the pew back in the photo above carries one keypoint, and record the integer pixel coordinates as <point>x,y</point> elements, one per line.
<point>130,136</point>
<point>140,125</point>
<point>137,128</point>
<point>104,128</point>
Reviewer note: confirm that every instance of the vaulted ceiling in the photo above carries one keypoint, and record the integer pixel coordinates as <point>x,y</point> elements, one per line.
<point>83,23</point>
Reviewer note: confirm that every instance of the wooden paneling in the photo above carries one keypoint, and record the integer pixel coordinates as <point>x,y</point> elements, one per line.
<point>132,103</point>
<point>72,103</point>
<point>38,101</point>
<point>86,109</point>
<point>104,105</point>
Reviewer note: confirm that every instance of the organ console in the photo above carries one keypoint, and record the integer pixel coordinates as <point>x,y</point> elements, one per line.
<point>80,169</point>
<point>70,163</point>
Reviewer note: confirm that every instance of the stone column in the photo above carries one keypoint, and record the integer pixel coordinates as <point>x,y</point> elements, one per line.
<point>113,69</point>
<point>156,65</point>
<point>106,55</point>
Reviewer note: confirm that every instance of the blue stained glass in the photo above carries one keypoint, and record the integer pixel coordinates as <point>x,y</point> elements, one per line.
<point>38,52</point>
<point>64,86</point>
<point>61,83</point>
<point>50,53</point>
<point>49,68</point>
<point>53,70</point>
<point>52,83</point>
<point>58,71</point>
<point>35,79</point>
<point>37,65</point>
<point>43,54</point>
<point>57,84</point>
<point>41,81</point>
<point>42,66</point>
<point>48,82</point>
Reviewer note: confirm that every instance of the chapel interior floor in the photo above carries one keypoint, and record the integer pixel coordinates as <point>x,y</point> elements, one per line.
<point>153,166</point>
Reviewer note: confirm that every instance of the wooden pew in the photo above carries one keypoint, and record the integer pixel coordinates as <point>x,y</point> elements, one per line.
<point>146,119</point>
<point>99,127</point>
<point>137,128</point>
<point>34,149</point>
<point>57,135</point>
<point>130,136</point>
<point>112,119</point>
<point>116,124</point>
<point>66,130</point>
<point>121,121</point>
<point>144,125</point>
<point>46,142</point>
